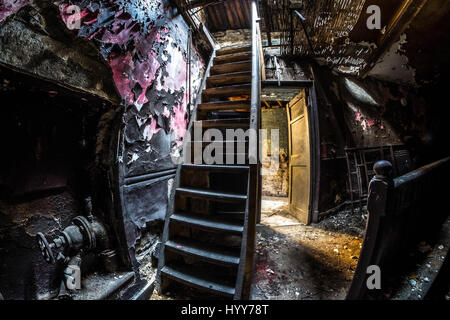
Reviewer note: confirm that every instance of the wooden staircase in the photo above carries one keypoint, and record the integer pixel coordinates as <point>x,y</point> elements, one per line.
<point>209,233</point>
<point>203,237</point>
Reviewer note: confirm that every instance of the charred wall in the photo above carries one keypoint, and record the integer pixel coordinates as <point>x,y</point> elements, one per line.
<point>53,158</point>
<point>35,41</point>
<point>134,54</point>
<point>371,113</point>
<point>146,46</point>
<point>355,112</point>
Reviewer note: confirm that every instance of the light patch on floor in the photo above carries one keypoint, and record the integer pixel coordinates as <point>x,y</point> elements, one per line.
<point>295,261</point>
<point>299,262</point>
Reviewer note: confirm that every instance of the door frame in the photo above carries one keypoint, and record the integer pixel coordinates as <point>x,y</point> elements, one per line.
<point>314,137</point>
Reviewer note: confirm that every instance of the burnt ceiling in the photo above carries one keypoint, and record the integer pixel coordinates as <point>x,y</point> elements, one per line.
<point>336,32</point>
<point>339,36</point>
<point>226,15</point>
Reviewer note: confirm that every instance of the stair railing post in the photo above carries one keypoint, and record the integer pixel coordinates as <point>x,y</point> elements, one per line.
<point>246,265</point>
<point>380,192</point>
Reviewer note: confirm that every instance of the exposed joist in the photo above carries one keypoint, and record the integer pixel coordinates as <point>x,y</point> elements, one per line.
<point>201,3</point>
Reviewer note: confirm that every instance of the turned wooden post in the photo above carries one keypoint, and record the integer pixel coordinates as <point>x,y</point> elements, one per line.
<point>379,188</point>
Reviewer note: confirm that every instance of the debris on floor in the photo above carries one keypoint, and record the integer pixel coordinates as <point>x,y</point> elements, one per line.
<point>298,262</point>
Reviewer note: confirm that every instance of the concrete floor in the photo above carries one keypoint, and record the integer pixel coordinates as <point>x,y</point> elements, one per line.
<point>298,262</point>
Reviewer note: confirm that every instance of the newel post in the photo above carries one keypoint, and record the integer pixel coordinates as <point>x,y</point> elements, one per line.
<point>379,188</point>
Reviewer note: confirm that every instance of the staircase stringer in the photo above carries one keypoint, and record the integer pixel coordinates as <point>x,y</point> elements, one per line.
<point>176,183</point>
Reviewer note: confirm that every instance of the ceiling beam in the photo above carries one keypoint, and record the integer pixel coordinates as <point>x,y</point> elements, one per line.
<point>200,3</point>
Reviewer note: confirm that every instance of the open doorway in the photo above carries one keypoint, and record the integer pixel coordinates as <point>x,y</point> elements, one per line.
<point>298,256</point>
<point>292,110</point>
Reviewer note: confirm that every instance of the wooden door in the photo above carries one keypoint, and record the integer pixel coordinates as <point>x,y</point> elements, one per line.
<point>299,158</point>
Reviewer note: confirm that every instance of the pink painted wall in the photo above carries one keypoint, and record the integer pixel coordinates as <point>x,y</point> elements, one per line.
<point>147,60</point>
<point>8,7</point>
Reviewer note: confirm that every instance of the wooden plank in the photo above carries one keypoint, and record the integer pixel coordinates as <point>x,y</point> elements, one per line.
<point>225,123</point>
<point>225,105</point>
<point>203,251</point>
<point>234,57</point>
<point>197,281</point>
<point>228,91</point>
<point>233,49</point>
<point>231,67</point>
<point>230,14</point>
<point>203,222</point>
<point>240,7</point>
<point>229,79</point>
<point>245,270</point>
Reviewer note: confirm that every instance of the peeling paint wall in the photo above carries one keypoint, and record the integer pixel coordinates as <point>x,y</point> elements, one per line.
<point>147,50</point>
<point>8,7</point>
<point>144,46</point>
<point>50,142</point>
<point>369,113</point>
<point>393,65</point>
<point>35,42</point>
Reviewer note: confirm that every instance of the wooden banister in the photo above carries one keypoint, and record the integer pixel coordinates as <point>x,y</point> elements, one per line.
<point>400,211</point>
<point>246,264</point>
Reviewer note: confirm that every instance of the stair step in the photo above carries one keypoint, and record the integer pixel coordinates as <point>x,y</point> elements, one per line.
<point>229,159</point>
<point>210,167</point>
<point>221,123</point>
<point>234,49</point>
<point>229,78</point>
<point>207,142</point>
<point>227,91</point>
<point>224,105</point>
<point>231,67</point>
<point>225,114</point>
<point>209,194</point>
<point>203,251</point>
<point>233,57</point>
<point>208,223</point>
<point>190,278</point>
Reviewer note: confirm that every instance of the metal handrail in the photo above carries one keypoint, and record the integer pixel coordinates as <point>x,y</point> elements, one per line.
<point>397,217</point>
<point>255,110</point>
<point>246,264</point>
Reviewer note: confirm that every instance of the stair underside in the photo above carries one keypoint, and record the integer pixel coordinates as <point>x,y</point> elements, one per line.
<point>229,78</point>
<point>228,91</point>
<point>231,67</point>
<point>211,168</point>
<point>225,105</point>
<point>208,223</point>
<point>213,195</point>
<point>233,57</point>
<point>187,277</point>
<point>206,252</point>
<point>224,123</point>
<point>233,49</point>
